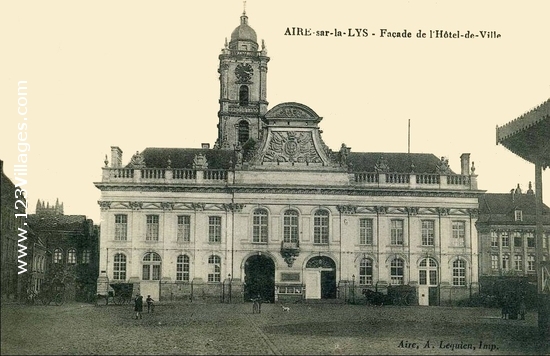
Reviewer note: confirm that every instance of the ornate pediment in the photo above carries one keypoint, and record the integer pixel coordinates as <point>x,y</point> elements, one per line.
<point>292,138</point>
<point>292,111</point>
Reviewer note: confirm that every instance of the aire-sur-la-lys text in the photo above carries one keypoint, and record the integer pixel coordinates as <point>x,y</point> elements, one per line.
<point>389,33</point>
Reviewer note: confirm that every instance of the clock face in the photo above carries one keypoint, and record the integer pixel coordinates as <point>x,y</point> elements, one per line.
<point>244,72</point>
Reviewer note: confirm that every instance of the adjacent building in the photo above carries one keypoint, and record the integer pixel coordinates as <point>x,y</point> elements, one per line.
<point>23,265</point>
<point>72,243</point>
<point>507,238</point>
<point>271,210</point>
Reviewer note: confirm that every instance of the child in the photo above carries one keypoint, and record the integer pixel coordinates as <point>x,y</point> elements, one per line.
<point>150,305</point>
<point>138,305</point>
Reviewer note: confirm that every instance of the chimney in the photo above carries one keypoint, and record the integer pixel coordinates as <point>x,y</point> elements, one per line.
<point>530,191</point>
<point>205,146</point>
<point>116,157</point>
<point>465,164</point>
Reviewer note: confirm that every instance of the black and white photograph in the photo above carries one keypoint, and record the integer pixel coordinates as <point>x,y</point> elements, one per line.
<point>304,177</point>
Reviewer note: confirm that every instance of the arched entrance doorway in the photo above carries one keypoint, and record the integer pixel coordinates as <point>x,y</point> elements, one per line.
<point>259,278</point>
<point>320,278</point>
<point>428,282</point>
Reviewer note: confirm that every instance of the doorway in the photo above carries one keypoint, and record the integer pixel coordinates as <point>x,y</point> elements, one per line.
<point>320,278</point>
<point>259,278</point>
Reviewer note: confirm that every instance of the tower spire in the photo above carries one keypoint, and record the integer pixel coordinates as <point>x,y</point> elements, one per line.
<point>244,18</point>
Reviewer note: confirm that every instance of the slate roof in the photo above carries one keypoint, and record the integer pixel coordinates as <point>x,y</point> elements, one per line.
<point>183,157</point>
<point>56,222</point>
<point>498,208</point>
<point>223,159</point>
<point>397,162</point>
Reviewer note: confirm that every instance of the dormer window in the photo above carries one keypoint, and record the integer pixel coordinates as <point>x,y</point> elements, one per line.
<point>518,215</point>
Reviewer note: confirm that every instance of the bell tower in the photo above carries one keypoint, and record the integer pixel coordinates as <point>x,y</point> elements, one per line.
<point>243,74</point>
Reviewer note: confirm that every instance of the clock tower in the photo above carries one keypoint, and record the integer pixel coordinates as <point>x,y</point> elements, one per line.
<point>243,73</point>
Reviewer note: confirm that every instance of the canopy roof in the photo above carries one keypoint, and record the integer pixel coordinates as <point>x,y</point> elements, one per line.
<point>528,136</point>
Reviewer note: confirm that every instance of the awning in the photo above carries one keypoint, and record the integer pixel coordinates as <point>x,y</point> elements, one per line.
<point>528,136</point>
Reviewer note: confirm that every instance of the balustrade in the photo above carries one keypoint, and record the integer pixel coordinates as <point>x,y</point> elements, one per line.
<point>215,174</point>
<point>428,178</point>
<point>184,174</point>
<point>363,177</point>
<point>152,173</point>
<point>397,178</point>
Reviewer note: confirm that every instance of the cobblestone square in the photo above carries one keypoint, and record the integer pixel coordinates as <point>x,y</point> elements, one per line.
<point>234,329</point>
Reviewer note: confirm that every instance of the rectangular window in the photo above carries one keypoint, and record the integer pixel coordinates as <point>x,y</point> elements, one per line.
<point>182,268</point>
<point>397,232</point>
<point>423,279</point>
<point>530,239</point>
<point>517,239</point>
<point>259,226</point>
<point>320,227</point>
<point>184,228</point>
<point>459,233</point>
<point>428,232</point>
<point>121,227</point>
<point>365,231</point>
<point>365,272</point>
<point>518,263</point>
<point>494,262</point>
<point>505,262</point>
<point>494,239</point>
<point>85,257</point>
<point>530,263</point>
<point>146,269</point>
<point>214,229</point>
<point>459,273</point>
<point>156,273</point>
<point>518,215</point>
<point>397,271</point>
<point>505,239</point>
<point>152,232</point>
<point>214,264</point>
<point>290,226</point>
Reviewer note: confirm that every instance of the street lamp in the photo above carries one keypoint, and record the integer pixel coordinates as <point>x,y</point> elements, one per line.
<point>229,277</point>
<point>353,287</point>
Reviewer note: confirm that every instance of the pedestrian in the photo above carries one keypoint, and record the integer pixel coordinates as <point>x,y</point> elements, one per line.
<point>150,305</point>
<point>138,305</point>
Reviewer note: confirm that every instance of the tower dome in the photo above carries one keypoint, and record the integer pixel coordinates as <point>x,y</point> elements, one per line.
<point>244,33</point>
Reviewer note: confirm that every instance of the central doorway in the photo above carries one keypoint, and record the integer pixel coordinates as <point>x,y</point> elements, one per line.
<point>320,278</point>
<point>259,278</point>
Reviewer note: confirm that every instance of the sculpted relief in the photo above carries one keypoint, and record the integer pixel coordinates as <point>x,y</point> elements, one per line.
<point>291,146</point>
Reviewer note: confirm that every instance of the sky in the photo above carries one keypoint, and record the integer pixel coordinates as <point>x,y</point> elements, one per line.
<point>139,74</point>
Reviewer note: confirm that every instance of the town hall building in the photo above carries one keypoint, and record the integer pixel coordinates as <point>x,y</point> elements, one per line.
<point>270,210</point>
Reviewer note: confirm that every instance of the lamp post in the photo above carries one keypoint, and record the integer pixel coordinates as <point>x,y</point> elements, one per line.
<point>353,287</point>
<point>229,277</point>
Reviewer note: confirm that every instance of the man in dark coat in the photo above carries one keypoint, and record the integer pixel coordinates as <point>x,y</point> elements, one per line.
<point>138,305</point>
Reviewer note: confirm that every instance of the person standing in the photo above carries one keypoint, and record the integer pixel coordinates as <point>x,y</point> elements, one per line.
<point>138,305</point>
<point>150,305</point>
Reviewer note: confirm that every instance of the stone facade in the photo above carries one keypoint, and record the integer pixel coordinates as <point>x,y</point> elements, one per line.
<point>286,217</point>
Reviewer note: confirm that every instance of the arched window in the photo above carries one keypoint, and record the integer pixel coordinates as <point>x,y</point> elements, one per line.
<point>244,132</point>
<point>427,272</point>
<point>397,271</point>
<point>259,226</point>
<point>182,268</point>
<point>243,95</point>
<point>214,269</point>
<point>459,272</point>
<point>57,255</point>
<point>71,256</point>
<point>290,226</point>
<point>151,266</point>
<point>119,266</point>
<point>320,227</point>
<point>365,272</point>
